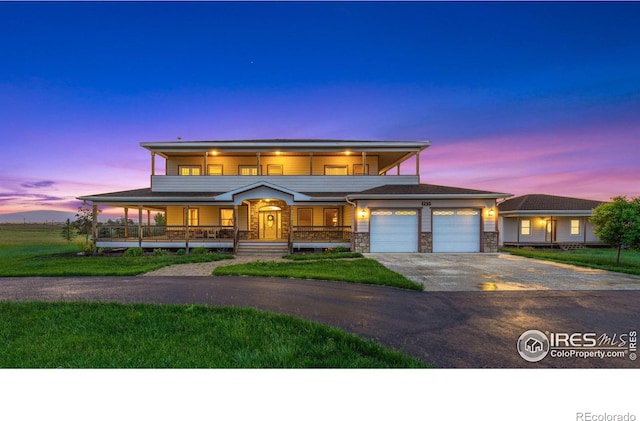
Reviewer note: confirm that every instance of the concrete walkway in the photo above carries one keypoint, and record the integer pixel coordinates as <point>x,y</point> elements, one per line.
<point>501,272</point>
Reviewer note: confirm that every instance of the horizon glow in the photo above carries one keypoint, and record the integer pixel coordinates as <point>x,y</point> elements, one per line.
<point>514,97</point>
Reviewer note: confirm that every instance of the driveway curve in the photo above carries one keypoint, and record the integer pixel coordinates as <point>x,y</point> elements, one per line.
<point>447,329</point>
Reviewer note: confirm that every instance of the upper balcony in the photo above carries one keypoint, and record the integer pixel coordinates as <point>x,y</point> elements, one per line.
<point>300,165</point>
<point>309,183</point>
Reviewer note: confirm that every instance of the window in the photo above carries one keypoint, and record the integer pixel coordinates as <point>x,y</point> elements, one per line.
<point>575,227</point>
<point>189,170</point>
<point>193,217</point>
<point>248,170</point>
<point>357,169</point>
<point>331,217</point>
<point>525,227</point>
<point>226,217</point>
<point>305,217</point>
<point>336,170</point>
<point>274,169</point>
<point>214,169</point>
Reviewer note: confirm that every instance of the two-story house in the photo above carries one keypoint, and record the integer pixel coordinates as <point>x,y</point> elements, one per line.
<point>290,195</point>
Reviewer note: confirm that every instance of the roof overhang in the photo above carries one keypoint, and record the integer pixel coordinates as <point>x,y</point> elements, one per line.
<point>545,213</point>
<point>426,196</point>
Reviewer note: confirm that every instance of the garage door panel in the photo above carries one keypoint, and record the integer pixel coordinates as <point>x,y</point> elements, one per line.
<point>394,231</point>
<point>456,231</point>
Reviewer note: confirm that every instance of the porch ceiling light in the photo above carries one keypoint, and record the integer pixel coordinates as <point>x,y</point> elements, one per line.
<point>214,153</point>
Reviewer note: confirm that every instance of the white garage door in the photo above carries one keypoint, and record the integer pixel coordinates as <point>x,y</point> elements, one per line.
<point>456,231</point>
<point>394,231</point>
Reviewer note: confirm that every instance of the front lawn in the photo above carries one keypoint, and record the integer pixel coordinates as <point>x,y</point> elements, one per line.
<point>598,258</point>
<point>47,265</point>
<point>365,271</point>
<point>98,335</point>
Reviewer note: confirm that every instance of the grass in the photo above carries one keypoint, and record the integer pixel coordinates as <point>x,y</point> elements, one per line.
<point>365,271</point>
<point>107,335</point>
<point>34,250</point>
<point>598,258</point>
<point>324,256</point>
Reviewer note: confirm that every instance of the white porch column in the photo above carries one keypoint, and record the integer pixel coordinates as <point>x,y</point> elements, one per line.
<point>94,228</point>
<point>139,226</point>
<point>205,170</point>
<point>153,163</point>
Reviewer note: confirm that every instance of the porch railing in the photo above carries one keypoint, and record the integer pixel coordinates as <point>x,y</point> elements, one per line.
<point>165,232</point>
<point>321,233</point>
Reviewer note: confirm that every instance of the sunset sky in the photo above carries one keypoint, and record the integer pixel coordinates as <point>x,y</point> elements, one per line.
<point>514,97</point>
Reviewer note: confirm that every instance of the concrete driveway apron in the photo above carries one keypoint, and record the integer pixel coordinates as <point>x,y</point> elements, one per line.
<point>497,271</point>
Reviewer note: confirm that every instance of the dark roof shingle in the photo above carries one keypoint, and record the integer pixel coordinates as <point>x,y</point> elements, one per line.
<point>547,202</point>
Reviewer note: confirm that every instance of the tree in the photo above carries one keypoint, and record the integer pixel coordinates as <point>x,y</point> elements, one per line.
<point>617,223</point>
<point>84,222</point>
<point>68,231</point>
<point>160,219</point>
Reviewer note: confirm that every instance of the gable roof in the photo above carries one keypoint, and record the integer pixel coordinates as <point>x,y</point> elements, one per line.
<point>425,190</point>
<point>546,202</point>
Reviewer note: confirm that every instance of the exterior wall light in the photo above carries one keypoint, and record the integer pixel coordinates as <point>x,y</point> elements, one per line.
<point>363,213</point>
<point>491,213</point>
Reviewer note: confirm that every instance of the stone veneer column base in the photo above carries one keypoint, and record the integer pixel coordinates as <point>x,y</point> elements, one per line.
<point>426,242</point>
<point>490,242</point>
<point>361,242</point>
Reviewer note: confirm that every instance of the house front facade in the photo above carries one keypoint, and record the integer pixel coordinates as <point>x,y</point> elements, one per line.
<point>547,221</point>
<point>289,195</point>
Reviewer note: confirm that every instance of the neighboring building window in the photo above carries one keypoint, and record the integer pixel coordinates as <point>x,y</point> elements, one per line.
<point>274,169</point>
<point>248,170</point>
<point>189,170</point>
<point>336,170</point>
<point>331,217</point>
<point>525,227</point>
<point>193,217</point>
<point>575,227</point>
<point>214,169</point>
<point>357,169</point>
<point>226,217</point>
<point>305,217</point>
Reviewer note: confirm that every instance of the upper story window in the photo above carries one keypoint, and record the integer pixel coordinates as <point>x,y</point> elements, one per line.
<point>189,170</point>
<point>274,169</point>
<point>575,227</point>
<point>248,170</point>
<point>214,169</point>
<point>357,169</point>
<point>525,227</point>
<point>336,170</point>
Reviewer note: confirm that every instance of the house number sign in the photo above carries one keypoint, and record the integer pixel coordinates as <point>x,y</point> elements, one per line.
<point>426,203</point>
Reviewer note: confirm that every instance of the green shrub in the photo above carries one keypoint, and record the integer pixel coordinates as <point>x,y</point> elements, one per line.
<point>180,252</point>
<point>199,250</point>
<point>133,252</point>
<point>160,252</point>
<point>337,250</point>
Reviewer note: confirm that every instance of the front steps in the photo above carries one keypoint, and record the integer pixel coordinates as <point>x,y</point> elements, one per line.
<point>270,249</point>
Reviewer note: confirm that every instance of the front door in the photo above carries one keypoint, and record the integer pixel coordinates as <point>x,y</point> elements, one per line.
<point>270,223</point>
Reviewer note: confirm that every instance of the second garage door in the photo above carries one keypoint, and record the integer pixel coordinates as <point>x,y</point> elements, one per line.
<point>394,231</point>
<point>456,231</point>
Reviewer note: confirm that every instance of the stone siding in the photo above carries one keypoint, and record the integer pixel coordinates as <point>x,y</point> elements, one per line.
<point>490,242</point>
<point>361,242</point>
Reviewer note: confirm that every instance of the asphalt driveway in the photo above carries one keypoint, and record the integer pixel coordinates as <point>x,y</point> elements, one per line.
<point>447,329</point>
<point>500,272</point>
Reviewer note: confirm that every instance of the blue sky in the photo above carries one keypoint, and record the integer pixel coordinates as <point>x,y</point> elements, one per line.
<point>515,97</point>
